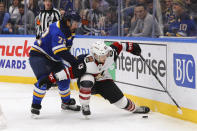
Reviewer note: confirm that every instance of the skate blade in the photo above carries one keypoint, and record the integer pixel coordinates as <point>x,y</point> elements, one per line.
<point>34,116</point>
<point>87,117</point>
<point>72,108</point>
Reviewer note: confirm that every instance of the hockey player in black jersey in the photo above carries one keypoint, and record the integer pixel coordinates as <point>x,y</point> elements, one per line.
<point>97,79</point>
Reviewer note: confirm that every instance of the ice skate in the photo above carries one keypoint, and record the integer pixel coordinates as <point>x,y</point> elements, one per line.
<point>86,111</point>
<point>71,105</point>
<point>142,110</point>
<point>35,111</point>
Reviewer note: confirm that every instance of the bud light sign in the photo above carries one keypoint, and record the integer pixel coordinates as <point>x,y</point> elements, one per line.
<point>184,70</point>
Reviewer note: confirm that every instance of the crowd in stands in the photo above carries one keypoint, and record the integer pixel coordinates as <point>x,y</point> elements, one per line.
<point>139,18</point>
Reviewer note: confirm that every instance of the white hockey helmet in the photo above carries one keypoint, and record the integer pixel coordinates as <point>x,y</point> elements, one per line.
<point>99,48</point>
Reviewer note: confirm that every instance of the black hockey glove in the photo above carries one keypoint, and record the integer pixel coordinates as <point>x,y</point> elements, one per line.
<point>47,80</point>
<point>136,49</point>
<point>78,69</point>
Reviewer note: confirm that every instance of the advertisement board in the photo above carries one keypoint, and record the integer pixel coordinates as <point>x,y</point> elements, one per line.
<point>14,54</point>
<point>132,70</point>
<point>182,73</point>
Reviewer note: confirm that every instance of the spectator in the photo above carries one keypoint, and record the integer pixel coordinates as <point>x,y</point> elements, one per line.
<point>14,11</point>
<point>4,17</point>
<point>128,13</point>
<point>183,25</point>
<point>62,12</point>
<point>133,22</point>
<point>141,1</point>
<point>93,22</point>
<point>103,6</point>
<point>20,23</point>
<point>46,17</point>
<point>86,4</point>
<point>78,5</point>
<point>33,6</point>
<point>192,10</point>
<point>168,15</point>
<point>149,6</point>
<point>40,4</point>
<point>128,3</point>
<point>111,19</point>
<point>85,28</point>
<point>8,29</point>
<point>67,5</point>
<point>144,23</point>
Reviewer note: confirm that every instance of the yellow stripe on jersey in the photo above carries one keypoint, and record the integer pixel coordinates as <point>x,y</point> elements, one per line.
<point>65,95</point>
<point>69,38</point>
<point>38,95</point>
<point>32,48</point>
<point>58,24</point>
<point>59,50</point>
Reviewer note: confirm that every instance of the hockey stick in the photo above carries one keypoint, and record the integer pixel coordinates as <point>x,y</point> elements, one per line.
<point>179,108</point>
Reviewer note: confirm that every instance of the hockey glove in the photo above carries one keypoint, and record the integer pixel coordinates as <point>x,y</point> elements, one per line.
<point>47,80</point>
<point>134,48</point>
<point>72,72</point>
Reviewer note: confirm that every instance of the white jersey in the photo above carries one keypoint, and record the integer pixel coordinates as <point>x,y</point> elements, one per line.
<point>100,71</point>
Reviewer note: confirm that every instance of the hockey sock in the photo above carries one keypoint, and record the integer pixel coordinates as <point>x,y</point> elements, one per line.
<point>130,105</point>
<point>125,103</point>
<point>64,90</point>
<point>84,95</point>
<point>38,94</point>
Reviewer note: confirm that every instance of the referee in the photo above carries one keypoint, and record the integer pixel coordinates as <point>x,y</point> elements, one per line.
<point>46,17</point>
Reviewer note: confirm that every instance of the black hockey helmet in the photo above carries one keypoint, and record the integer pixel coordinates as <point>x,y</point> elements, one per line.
<point>71,15</point>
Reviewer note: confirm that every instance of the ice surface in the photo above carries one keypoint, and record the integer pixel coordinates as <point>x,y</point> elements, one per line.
<point>15,100</point>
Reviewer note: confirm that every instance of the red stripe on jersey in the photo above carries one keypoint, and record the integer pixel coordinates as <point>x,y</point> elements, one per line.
<point>119,46</point>
<point>66,73</point>
<point>84,98</point>
<point>71,73</point>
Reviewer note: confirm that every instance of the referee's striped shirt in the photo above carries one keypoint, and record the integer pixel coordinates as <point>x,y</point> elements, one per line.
<point>44,19</point>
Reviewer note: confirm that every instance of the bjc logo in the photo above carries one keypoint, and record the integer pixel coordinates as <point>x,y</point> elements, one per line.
<point>184,70</point>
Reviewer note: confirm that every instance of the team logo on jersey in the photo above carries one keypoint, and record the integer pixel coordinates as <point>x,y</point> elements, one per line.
<point>184,70</point>
<point>81,66</point>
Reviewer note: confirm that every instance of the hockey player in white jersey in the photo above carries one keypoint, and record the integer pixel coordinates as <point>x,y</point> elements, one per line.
<point>97,79</point>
